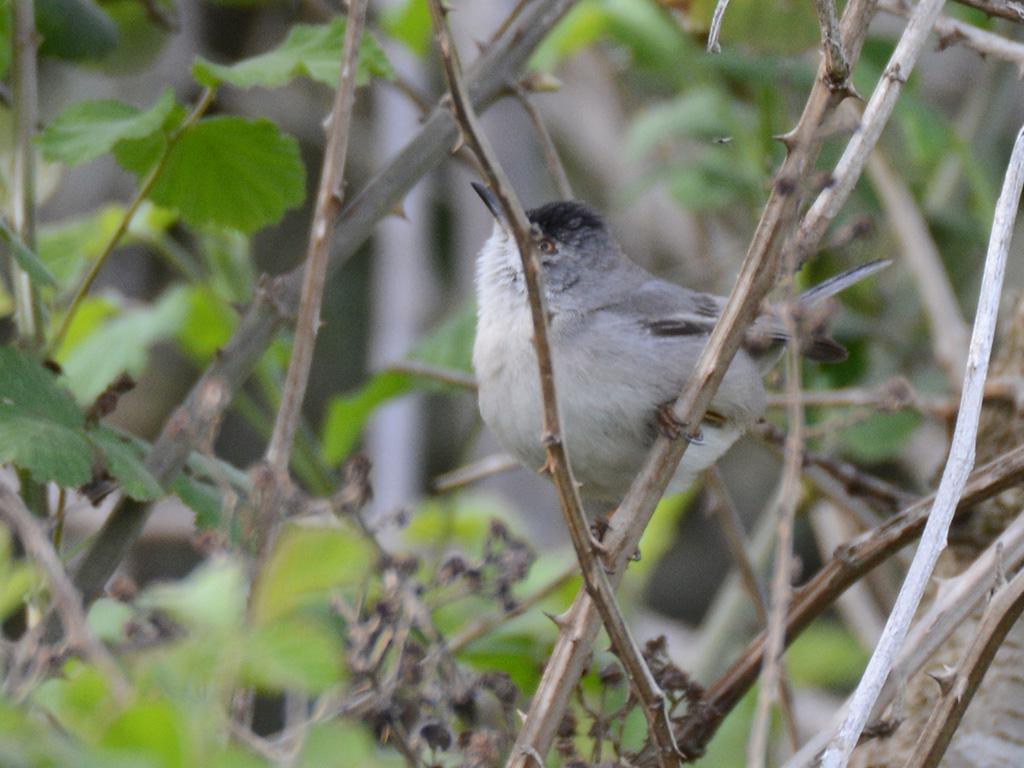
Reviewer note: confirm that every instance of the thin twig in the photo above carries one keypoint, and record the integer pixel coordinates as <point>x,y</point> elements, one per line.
<point>955,32</point>
<point>781,586</point>
<point>328,205</point>
<point>950,334</point>
<point>558,465</point>
<point>65,597</point>
<point>716,26</point>
<point>729,518</point>
<point>435,373</point>
<point>837,65</point>
<point>876,116</point>
<point>456,643</point>
<point>1003,9</point>
<point>493,464</point>
<point>893,395</point>
<point>956,472</point>
<point>25,94</point>
<point>555,167</point>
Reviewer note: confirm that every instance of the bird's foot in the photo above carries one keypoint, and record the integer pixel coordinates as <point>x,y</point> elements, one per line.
<point>673,427</point>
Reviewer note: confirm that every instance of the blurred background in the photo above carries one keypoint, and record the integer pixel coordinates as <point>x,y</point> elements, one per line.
<point>675,145</point>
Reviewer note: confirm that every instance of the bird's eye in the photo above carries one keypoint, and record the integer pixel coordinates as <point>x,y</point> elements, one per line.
<point>547,246</point>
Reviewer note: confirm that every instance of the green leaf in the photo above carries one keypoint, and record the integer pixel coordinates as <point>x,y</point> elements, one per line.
<point>203,499</point>
<point>211,597</point>
<point>826,655</point>
<point>409,23</point>
<point>328,741</point>
<point>17,578</point>
<point>122,344</point>
<point>152,730</point>
<point>776,26</point>
<point>50,451</point>
<point>124,461</point>
<point>231,172</point>
<point>710,184</point>
<point>109,619</point>
<point>298,653</point>
<point>347,415</point>
<point>86,130</point>
<point>306,563</point>
<point>77,699</point>
<point>32,389</point>
<point>5,40</point>
<point>880,437</point>
<point>450,346</point>
<point>27,260</point>
<point>74,29</point>
<point>39,423</point>
<point>309,51</point>
<point>208,325</point>
<point>139,156</point>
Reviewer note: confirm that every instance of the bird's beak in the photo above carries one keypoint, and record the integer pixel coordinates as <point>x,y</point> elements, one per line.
<point>492,205</point>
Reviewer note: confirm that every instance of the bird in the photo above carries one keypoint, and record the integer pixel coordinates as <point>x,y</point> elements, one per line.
<point>623,344</point>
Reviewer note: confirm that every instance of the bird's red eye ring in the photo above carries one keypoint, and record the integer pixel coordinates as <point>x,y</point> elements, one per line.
<point>547,246</point>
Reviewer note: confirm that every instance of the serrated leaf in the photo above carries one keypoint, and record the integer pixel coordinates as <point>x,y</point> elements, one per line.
<point>124,461</point>
<point>26,259</point>
<point>310,51</point>
<point>86,130</point>
<point>50,451</point>
<point>306,563</point>
<point>34,389</point>
<point>138,156</point>
<point>231,172</point>
<point>120,345</point>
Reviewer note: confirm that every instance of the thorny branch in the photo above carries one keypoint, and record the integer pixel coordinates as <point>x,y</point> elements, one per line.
<point>328,204</point>
<point>558,465</point>
<point>1000,616</point>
